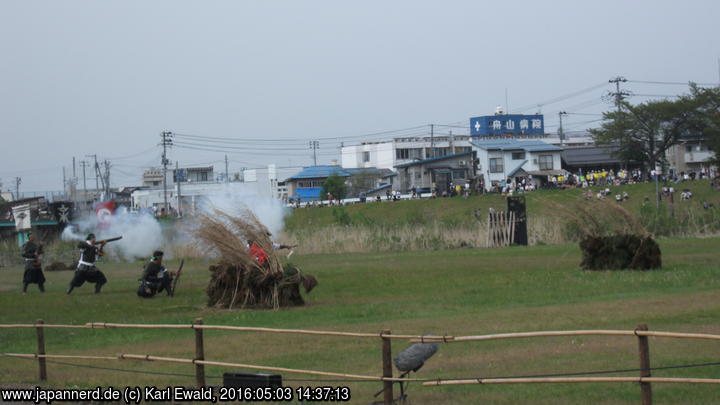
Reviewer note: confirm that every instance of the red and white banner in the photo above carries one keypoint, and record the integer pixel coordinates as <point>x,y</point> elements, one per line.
<point>104,212</point>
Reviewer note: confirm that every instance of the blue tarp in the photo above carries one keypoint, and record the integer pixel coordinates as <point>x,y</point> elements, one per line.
<point>308,194</point>
<point>319,172</point>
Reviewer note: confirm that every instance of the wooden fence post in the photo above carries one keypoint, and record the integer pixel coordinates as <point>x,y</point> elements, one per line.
<point>387,368</point>
<point>41,349</point>
<point>644,347</point>
<point>199,354</point>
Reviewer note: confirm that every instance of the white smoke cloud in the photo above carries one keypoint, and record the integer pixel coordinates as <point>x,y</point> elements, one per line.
<point>141,232</point>
<point>233,200</point>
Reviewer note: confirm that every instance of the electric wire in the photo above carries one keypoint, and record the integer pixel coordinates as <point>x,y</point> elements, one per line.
<point>671,83</point>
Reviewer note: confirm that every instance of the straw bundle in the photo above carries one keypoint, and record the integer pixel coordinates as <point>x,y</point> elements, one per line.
<point>611,237</point>
<point>239,279</point>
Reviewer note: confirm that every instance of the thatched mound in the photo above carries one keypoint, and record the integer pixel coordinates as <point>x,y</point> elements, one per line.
<point>58,266</point>
<point>611,238</point>
<point>617,252</point>
<point>239,279</point>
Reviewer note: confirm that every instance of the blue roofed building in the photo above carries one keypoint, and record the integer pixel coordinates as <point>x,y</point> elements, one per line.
<point>307,184</point>
<point>507,160</point>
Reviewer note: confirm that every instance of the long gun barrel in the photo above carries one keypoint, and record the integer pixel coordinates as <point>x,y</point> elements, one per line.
<point>108,240</point>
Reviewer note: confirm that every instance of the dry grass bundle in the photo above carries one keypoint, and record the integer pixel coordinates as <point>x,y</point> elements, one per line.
<point>620,252</point>
<point>239,279</point>
<point>611,237</point>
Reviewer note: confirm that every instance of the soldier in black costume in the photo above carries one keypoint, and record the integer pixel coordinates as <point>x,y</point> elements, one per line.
<point>31,251</point>
<point>86,270</point>
<point>155,277</point>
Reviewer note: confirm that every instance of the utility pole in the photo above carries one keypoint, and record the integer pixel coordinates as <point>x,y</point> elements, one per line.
<point>561,134</point>
<point>84,164</point>
<point>619,95</point>
<point>227,175</point>
<point>314,145</point>
<point>166,141</point>
<point>177,181</point>
<point>106,163</point>
<point>97,172</point>
<point>18,180</point>
<point>432,141</point>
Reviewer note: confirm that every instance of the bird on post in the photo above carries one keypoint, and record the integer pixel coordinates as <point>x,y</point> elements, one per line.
<point>411,360</point>
<point>414,357</point>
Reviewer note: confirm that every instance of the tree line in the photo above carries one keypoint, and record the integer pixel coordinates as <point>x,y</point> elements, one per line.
<point>644,132</point>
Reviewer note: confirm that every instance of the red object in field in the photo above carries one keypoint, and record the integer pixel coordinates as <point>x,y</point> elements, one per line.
<point>258,252</point>
<point>104,211</point>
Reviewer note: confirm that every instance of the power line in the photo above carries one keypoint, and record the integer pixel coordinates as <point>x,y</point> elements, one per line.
<point>295,139</point>
<point>131,156</point>
<point>234,152</point>
<point>563,97</point>
<point>654,95</point>
<point>248,148</point>
<point>671,83</point>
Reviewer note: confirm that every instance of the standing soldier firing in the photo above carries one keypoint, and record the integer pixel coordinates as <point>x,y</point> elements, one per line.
<point>86,270</point>
<point>31,251</point>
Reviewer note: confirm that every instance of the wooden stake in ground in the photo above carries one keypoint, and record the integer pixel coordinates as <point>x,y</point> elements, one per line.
<point>387,368</point>
<point>199,354</point>
<point>644,349</point>
<point>176,278</point>
<point>41,349</point>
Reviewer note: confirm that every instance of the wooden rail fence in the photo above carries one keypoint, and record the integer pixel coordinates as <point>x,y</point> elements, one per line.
<point>641,332</point>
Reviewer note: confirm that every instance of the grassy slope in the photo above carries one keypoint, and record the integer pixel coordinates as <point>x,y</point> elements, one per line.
<point>461,292</point>
<point>453,211</point>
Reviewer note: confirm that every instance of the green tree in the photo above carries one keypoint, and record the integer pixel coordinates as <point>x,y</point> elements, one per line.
<point>644,132</point>
<point>362,181</point>
<point>705,116</point>
<point>334,185</point>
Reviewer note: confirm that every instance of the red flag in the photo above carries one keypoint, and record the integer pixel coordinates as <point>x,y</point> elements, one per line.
<point>104,211</point>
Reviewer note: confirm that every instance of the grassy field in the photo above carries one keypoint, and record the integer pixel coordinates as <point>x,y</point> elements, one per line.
<point>458,292</point>
<point>452,222</point>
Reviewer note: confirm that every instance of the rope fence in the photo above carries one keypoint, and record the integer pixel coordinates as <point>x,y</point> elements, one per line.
<point>199,362</point>
<point>49,358</point>
<point>573,380</point>
<point>637,332</point>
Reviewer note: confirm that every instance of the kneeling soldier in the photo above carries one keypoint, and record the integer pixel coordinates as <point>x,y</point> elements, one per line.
<point>86,270</point>
<point>155,277</point>
<point>31,251</point>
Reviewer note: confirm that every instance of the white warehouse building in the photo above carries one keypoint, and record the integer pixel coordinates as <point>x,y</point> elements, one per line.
<point>389,154</point>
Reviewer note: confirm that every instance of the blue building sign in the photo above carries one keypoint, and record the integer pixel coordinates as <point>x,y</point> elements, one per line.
<point>510,124</point>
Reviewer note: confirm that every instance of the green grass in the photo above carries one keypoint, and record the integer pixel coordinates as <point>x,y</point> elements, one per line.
<point>458,211</point>
<point>459,292</point>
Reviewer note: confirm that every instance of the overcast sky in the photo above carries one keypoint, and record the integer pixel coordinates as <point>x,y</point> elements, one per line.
<point>106,77</point>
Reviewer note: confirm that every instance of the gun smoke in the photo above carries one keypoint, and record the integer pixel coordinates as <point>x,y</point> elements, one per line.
<point>141,233</point>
